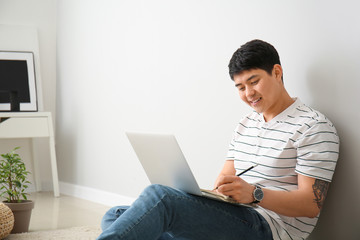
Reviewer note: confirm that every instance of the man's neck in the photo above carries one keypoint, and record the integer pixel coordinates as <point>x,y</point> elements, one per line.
<point>283,103</point>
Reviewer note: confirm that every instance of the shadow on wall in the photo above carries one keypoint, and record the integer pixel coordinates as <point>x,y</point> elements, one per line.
<point>66,146</point>
<point>334,86</point>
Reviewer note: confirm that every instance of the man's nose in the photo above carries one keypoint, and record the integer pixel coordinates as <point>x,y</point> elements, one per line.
<point>250,92</point>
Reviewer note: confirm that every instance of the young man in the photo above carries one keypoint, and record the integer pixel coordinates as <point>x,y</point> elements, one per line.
<point>293,147</point>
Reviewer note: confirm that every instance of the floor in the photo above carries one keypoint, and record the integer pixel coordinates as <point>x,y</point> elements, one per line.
<point>63,212</point>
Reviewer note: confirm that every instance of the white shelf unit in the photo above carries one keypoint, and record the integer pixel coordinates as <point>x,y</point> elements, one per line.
<point>32,125</point>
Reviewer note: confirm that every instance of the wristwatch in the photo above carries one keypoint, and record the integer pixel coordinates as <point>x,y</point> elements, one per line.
<point>258,194</point>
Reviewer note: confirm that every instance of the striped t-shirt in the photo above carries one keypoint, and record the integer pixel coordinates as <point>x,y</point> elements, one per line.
<point>299,140</point>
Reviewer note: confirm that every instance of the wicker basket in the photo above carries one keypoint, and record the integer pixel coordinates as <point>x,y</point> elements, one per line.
<point>6,220</point>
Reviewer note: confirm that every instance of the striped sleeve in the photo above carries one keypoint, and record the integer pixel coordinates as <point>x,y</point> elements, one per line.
<point>318,151</point>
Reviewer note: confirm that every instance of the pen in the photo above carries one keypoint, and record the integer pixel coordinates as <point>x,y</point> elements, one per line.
<point>247,170</point>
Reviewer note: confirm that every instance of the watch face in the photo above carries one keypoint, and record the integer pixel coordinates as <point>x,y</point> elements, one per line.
<point>258,194</point>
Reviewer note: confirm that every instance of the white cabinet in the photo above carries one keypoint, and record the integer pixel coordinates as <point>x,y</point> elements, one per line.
<point>32,125</point>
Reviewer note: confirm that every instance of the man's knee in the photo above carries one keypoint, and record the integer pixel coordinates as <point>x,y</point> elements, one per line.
<point>159,191</point>
<point>154,189</point>
<point>111,215</point>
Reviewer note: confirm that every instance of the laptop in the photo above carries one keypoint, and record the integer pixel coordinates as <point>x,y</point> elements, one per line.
<point>164,163</point>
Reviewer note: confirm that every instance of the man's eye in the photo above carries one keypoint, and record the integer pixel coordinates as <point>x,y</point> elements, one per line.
<point>254,82</point>
<point>241,88</point>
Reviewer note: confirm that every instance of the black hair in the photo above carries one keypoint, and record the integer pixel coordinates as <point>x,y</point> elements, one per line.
<point>256,54</point>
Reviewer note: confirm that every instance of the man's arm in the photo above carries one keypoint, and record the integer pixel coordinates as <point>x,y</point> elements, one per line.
<point>228,169</point>
<point>306,201</point>
<point>320,188</point>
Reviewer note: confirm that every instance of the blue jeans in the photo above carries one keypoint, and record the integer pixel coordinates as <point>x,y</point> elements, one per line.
<point>162,213</point>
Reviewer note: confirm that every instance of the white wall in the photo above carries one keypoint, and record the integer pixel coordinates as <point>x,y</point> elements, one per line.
<point>161,66</point>
<point>32,24</point>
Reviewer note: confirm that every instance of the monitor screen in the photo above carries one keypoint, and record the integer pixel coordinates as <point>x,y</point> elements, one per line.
<point>17,81</point>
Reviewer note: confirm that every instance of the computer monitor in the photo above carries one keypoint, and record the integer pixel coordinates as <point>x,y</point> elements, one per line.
<point>17,82</point>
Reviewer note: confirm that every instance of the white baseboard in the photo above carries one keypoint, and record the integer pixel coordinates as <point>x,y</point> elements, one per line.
<point>94,195</point>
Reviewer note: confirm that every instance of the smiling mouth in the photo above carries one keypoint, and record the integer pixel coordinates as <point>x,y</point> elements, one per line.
<point>255,101</point>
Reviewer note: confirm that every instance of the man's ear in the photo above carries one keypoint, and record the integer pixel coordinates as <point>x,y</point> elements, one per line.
<point>278,72</point>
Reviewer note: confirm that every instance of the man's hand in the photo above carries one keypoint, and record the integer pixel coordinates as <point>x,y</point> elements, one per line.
<point>305,201</point>
<point>235,187</point>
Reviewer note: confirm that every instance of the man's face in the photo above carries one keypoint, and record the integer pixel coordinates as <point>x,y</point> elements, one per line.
<point>260,90</point>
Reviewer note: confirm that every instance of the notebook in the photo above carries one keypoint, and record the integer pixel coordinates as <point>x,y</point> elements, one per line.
<point>164,163</point>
